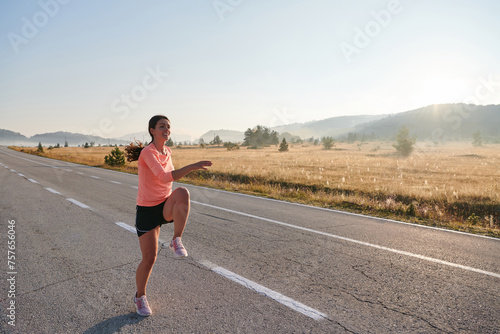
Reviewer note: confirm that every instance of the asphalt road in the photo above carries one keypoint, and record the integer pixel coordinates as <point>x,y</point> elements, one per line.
<point>255,266</point>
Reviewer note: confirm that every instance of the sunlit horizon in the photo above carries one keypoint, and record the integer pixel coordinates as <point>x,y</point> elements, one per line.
<point>105,68</point>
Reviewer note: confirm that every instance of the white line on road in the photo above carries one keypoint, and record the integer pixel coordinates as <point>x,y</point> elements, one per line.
<point>115,182</point>
<point>53,191</point>
<point>276,296</point>
<point>95,177</point>
<point>31,180</point>
<point>126,226</point>
<point>421,257</point>
<point>80,204</point>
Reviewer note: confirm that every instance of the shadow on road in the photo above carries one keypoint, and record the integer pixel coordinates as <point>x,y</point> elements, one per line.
<point>114,324</point>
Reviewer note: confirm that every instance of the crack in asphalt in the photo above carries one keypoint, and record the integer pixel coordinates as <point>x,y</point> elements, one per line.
<point>379,303</point>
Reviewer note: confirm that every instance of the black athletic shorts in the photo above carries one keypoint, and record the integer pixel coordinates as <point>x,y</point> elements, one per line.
<point>148,218</point>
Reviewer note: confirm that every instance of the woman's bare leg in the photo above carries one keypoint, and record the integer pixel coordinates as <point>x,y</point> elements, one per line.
<point>177,209</point>
<point>149,249</point>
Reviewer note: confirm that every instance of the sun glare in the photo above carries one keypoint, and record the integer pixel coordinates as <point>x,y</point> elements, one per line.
<point>440,89</point>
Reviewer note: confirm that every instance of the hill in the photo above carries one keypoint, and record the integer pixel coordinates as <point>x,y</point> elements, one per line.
<point>334,126</point>
<point>8,137</point>
<point>438,123</point>
<point>224,135</point>
<point>442,122</point>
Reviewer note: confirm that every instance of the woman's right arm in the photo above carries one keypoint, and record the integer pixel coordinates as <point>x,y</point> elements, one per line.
<point>180,173</point>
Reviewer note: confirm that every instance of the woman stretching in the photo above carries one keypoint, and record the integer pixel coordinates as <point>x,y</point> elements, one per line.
<point>157,204</point>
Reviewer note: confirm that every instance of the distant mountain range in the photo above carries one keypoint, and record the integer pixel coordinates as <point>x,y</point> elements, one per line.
<point>53,138</point>
<point>442,122</point>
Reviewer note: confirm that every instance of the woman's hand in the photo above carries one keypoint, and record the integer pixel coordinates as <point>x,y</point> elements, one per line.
<point>202,165</point>
<point>180,173</point>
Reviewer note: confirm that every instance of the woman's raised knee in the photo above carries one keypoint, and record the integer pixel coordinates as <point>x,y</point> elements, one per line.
<point>183,193</point>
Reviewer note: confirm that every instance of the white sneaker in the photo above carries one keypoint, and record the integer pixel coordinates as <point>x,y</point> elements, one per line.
<point>178,248</point>
<point>142,306</point>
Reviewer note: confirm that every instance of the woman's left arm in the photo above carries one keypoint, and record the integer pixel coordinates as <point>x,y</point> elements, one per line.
<point>180,173</point>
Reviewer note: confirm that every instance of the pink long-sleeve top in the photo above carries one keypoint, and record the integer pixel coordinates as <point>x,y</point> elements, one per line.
<point>155,176</point>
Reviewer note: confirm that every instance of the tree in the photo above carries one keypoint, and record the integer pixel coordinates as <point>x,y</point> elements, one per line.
<point>66,143</point>
<point>478,141</point>
<point>260,136</point>
<point>170,142</point>
<point>404,143</point>
<point>217,141</point>
<point>328,142</point>
<point>352,137</point>
<point>40,147</point>
<point>283,146</point>
<point>115,158</point>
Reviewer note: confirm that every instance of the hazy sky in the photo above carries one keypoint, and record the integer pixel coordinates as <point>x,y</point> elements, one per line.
<point>106,67</point>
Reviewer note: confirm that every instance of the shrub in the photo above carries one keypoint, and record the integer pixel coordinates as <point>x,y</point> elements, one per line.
<point>283,146</point>
<point>404,143</point>
<point>231,146</point>
<point>116,158</point>
<point>328,142</point>
<point>478,141</point>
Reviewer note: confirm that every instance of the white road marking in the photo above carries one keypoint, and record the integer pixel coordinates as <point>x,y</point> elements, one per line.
<point>95,177</point>
<point>115,182</point>
<point>421,257</point>
<point>80,204</point>
<point>80,173</point>
<point>53,191</point>
<point>135,187</point>
<point>276,296</point>
<point>31,180</point>
<point>21,175</point>
<point>127,227</point>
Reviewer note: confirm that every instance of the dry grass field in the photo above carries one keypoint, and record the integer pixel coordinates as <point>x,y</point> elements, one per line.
<point>455,186</point>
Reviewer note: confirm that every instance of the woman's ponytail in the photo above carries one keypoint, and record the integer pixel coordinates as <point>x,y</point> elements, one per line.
<point>132,151</point>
